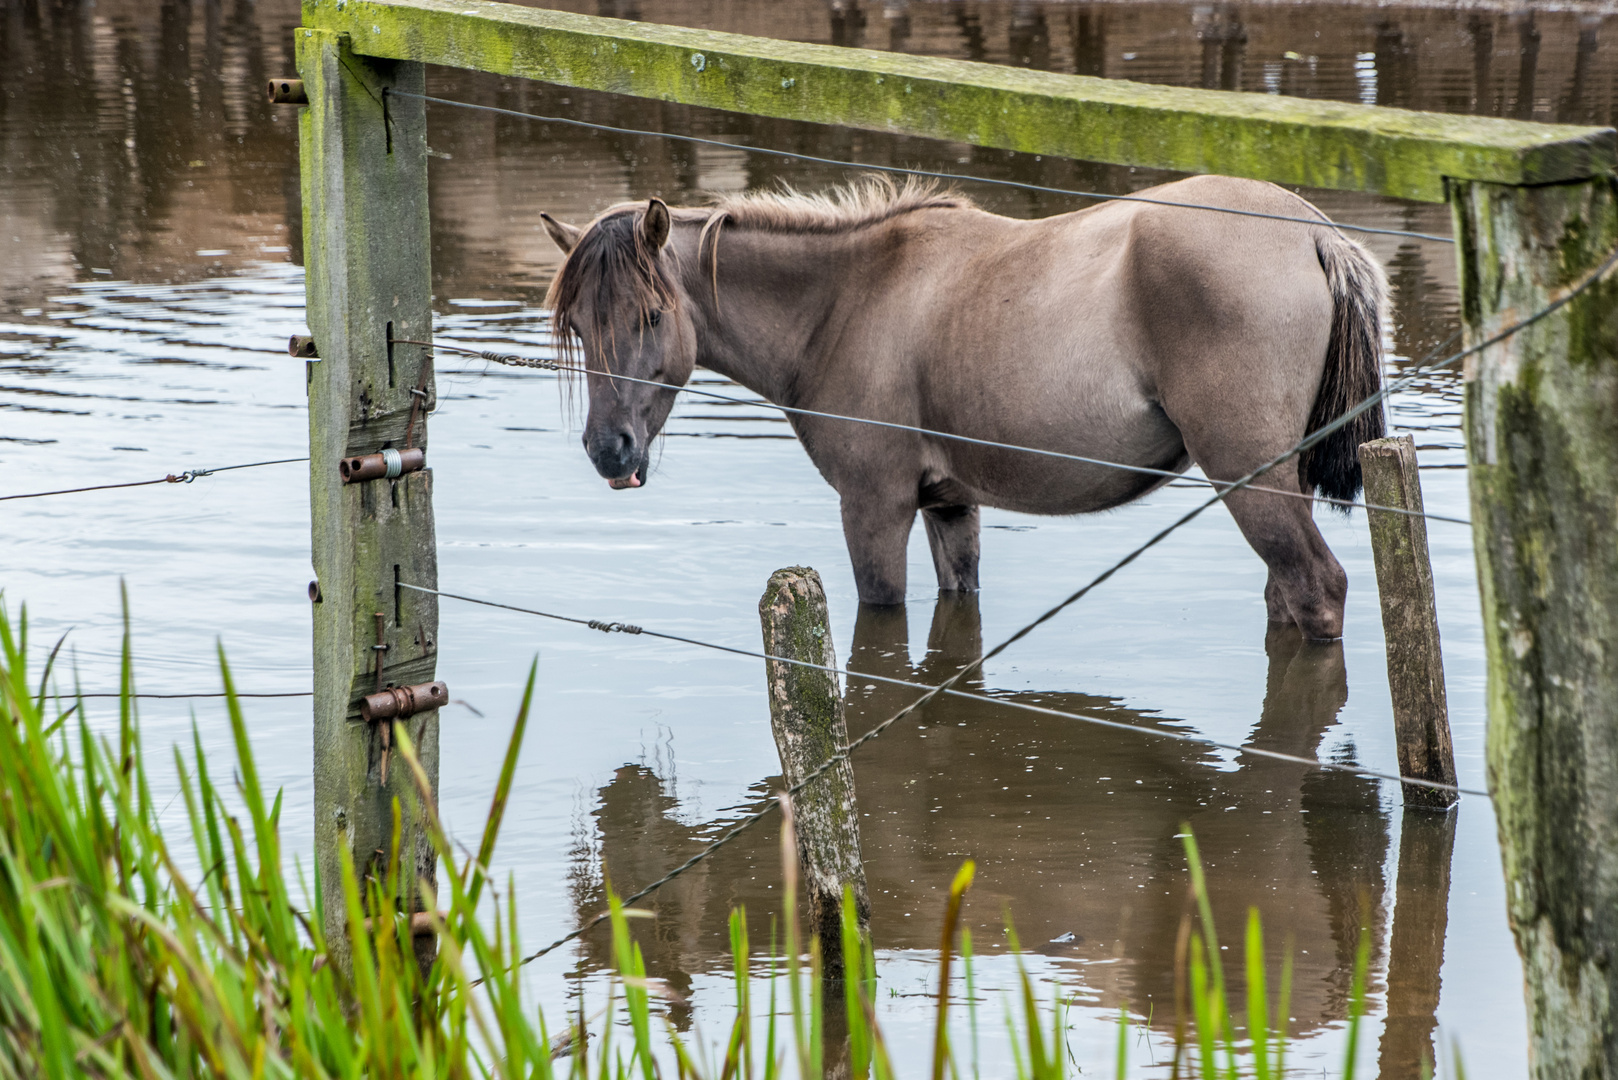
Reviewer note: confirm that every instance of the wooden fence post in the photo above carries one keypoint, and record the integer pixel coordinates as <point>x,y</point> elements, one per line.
<point>364,164</point>
<point>806,716</point>
<point>1542,452</point>
<point>1404,581</point>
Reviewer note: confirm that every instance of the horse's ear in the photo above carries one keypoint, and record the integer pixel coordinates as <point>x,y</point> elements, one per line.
<point>655,225</point>
<point>565,236</point>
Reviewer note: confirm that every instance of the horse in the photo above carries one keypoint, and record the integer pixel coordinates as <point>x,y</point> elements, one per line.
<point>1148,334</point>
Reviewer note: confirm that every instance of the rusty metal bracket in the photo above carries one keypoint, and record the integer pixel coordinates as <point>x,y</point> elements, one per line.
<point>303,347</point>
<point>386,465</point>
<point>398,702</point>
<point>287,92</point>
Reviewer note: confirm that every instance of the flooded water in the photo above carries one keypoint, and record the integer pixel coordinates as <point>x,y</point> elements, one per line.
<point>149,218</point>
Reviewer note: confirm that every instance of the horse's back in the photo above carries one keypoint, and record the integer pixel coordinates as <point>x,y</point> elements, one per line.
<point>1122,332</point>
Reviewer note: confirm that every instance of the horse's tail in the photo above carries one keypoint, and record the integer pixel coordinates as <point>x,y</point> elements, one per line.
<point>1359,293</point>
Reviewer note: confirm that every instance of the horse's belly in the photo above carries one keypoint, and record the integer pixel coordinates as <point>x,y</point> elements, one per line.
<point>1129,453</point>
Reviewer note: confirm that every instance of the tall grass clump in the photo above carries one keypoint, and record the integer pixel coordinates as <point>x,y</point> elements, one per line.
<point>114,963</point>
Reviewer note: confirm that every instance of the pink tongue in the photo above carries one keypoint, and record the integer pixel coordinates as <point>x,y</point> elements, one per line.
<point>630,481</point>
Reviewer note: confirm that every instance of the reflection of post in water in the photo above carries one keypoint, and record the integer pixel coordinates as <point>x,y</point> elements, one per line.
<point>847,23</point>
<point>1224,41</point>
<point>970,25</point>
<point>1395,67</point>
<point>896,13</point>
<point>1030,36</point>
<point>1089,41</point>
<point>1416,951</point>
<point>1481,28</point>
<point>1527,66</point>
<point>1573,107</point>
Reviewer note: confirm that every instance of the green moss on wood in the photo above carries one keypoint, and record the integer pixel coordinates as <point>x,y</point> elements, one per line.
<point>1543,461</point>
<point>1269,137</point>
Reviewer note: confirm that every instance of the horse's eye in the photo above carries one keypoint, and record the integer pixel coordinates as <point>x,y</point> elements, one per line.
<point>654,317</point>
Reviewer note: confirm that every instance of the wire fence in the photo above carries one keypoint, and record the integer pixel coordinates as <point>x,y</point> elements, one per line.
<point>899,170</point>
<point>952,685</point>
<point>984,699</point>
<point>512,360</point>
<point>172,478</point>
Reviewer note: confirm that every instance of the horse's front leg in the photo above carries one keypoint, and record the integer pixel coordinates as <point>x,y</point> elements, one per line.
<point>952,533</point>
<point>876,526</point>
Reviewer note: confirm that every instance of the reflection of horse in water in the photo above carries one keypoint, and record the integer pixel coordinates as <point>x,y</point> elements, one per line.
<point>1072,826</point>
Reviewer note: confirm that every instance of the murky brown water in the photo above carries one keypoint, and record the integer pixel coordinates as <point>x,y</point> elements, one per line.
<point>148,216</point>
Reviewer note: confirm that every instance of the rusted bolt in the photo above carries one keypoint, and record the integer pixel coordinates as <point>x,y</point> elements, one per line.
<point>303,347</point>
<point>388,464</point>
<point>400,701</point>
<point>288,92</point>
<point>314,592</point>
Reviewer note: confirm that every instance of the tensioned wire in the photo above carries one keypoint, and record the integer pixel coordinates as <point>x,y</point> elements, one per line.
<point>511,360</point>
<point>1078,594</point>
<point>856,676</point>
<point>172,478</point>
<point>904,171</point>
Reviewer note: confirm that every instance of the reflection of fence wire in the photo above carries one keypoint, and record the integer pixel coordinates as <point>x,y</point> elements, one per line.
<point>1078,594</point>
<point>902,171</point>
<point>172,478</point>
<point>1146,470</point>
<point>211,694</point>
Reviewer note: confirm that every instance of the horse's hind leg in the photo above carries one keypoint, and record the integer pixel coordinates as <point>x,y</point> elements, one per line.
<point>1307,585</point>
<point>952,533</point>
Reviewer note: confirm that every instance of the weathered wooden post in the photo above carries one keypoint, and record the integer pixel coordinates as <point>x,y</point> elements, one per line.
<point>364,163</point>
<point>1404,581</point>
<point>806,716</point>
<point>1542,451</point>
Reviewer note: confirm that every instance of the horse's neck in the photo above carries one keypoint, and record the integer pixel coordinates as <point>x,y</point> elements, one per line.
<point>756,320</point>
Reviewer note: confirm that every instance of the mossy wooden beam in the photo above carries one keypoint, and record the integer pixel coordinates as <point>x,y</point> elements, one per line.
<point>1284,139</point>
<point>366,245</point>
<point>1542,454</point>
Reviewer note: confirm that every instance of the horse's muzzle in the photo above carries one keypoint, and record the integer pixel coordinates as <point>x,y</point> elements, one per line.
<point>618,458</point>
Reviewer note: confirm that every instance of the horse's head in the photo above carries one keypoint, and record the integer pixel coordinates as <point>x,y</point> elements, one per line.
<point>616,297</point>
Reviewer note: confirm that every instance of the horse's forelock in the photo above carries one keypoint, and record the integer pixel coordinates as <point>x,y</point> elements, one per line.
<point>609,261</point>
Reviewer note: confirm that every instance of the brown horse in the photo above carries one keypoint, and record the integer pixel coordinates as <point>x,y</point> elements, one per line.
<point>1139,333</point>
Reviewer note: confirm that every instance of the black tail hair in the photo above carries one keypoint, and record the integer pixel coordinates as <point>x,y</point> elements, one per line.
<point>1353,372</point>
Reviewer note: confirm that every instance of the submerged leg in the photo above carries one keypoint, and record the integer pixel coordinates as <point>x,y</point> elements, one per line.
<point>952,533</point>
<point>877,531</point>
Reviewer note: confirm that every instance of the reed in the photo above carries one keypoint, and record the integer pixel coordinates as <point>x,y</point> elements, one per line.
<point>114,963</point>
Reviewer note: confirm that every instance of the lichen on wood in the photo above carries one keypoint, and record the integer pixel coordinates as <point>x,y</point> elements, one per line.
<point>806,717</point>
<point>1288,140</point>
<point>1542,450</point>
<point>364,179</point>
